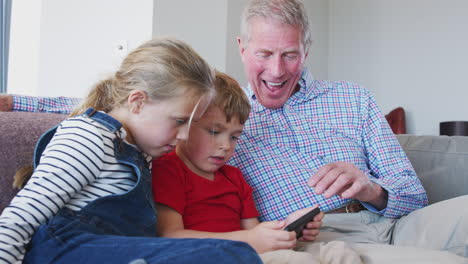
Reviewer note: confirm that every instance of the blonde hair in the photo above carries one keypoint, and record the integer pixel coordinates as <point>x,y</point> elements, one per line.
<point>230,98</point>
<point>162,67</point>
<point>291,12</point>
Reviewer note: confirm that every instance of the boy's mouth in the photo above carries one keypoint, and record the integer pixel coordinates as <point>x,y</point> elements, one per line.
<point>217,159</point>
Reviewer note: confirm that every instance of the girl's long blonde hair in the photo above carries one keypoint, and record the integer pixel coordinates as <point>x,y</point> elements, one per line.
<point>162,67</point>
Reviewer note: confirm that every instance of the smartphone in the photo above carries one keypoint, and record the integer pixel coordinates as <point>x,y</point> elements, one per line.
<point>301,222</point>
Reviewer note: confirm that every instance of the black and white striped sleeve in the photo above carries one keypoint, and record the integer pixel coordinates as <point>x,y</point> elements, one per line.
<point>72,160</point>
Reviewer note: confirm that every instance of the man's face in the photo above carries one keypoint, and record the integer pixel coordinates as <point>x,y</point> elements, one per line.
<point>273,60</point>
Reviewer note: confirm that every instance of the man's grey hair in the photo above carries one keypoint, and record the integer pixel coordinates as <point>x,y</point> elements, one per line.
<point>291,12</point>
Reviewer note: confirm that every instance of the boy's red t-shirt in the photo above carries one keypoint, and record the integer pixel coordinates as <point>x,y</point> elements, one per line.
<point>205,205</point>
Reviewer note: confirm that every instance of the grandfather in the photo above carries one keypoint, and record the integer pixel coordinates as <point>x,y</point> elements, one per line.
<point>317,142</point>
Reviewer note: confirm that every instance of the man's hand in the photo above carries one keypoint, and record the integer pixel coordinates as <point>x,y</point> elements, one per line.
<point>347,181</point>
<point>6,103</point>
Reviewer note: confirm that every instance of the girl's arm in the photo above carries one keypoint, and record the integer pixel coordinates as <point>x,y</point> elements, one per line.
<point>60,175</point>
<point>262,237</point>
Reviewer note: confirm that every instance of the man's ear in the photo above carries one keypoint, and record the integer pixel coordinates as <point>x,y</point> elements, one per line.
<point>135,100</point>
<point>240,46</point>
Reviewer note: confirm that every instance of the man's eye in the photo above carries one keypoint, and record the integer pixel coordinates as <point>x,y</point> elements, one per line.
<point>263,55</point>
<point>291,56</point>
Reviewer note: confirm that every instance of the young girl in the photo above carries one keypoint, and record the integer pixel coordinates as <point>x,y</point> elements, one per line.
<point>89,199</point>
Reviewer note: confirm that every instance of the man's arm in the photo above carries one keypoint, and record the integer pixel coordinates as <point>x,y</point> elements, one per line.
<point>60,105</point>
<point>390,187</point>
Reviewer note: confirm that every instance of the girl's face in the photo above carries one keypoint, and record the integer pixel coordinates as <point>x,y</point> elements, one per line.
<point>156,126</point>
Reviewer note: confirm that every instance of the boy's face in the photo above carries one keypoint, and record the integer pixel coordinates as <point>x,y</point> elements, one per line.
<point>211,142</point>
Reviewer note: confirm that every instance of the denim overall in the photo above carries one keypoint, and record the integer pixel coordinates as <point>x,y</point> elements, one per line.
<point>122,228</point>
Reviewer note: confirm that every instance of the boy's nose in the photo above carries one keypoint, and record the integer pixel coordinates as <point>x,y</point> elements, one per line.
<point>225,145</point>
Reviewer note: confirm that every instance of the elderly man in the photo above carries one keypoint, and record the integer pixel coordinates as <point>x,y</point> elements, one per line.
<point>316,142</point>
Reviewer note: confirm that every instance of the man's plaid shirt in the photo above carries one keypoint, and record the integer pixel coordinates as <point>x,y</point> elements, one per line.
<point>280,149</point>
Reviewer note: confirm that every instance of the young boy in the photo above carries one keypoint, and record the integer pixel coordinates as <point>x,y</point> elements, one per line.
<point>199,196</point>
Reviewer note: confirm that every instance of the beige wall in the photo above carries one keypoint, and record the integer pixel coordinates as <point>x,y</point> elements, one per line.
<point>62,47</point>
<point>408,53</point>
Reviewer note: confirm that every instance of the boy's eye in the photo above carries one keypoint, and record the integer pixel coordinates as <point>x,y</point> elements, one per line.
<point>213,132</point>
<point>234,138</point>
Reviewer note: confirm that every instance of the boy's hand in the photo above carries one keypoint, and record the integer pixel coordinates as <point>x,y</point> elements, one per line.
<point>311,230</point>
<point>268,236</point>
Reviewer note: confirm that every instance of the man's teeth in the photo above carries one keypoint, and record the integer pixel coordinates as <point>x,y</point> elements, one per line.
<point>274,84</point>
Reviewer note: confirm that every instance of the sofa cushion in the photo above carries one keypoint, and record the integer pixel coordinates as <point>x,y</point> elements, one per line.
<point>441,163</point>
<point>19,132</point>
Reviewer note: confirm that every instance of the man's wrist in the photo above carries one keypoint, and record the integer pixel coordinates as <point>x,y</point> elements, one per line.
<point>381,197</point>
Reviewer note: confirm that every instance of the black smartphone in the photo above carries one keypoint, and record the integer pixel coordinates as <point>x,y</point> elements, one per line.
<point>301,222</point>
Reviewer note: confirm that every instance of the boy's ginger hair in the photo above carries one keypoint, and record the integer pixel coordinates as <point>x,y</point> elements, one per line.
<point>230,98</point>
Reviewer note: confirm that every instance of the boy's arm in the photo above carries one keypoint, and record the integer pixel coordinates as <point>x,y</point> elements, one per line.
<point>249,223</point>
<point>171,224</point>
<point>263,237</point>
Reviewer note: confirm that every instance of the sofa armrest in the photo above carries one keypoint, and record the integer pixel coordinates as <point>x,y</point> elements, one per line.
<point>19,132</point>
<point>440,163</point>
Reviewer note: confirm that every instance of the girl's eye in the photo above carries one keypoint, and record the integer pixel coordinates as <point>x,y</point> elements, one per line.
<point>234,138</point>
<point>181,122</point>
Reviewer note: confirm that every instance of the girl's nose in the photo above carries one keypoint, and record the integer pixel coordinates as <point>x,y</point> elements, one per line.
<point>182,134</point>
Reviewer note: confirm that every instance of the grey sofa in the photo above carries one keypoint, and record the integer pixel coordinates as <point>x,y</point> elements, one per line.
<point>440,161</point>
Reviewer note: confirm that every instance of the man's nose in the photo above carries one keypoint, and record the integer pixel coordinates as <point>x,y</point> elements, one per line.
<point>277,66</point>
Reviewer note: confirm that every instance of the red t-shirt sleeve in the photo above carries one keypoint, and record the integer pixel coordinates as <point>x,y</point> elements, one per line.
<point>168,182</point>
<point>248,205</point>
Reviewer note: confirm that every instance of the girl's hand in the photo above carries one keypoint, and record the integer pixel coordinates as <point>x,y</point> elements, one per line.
<point>268,236</point>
